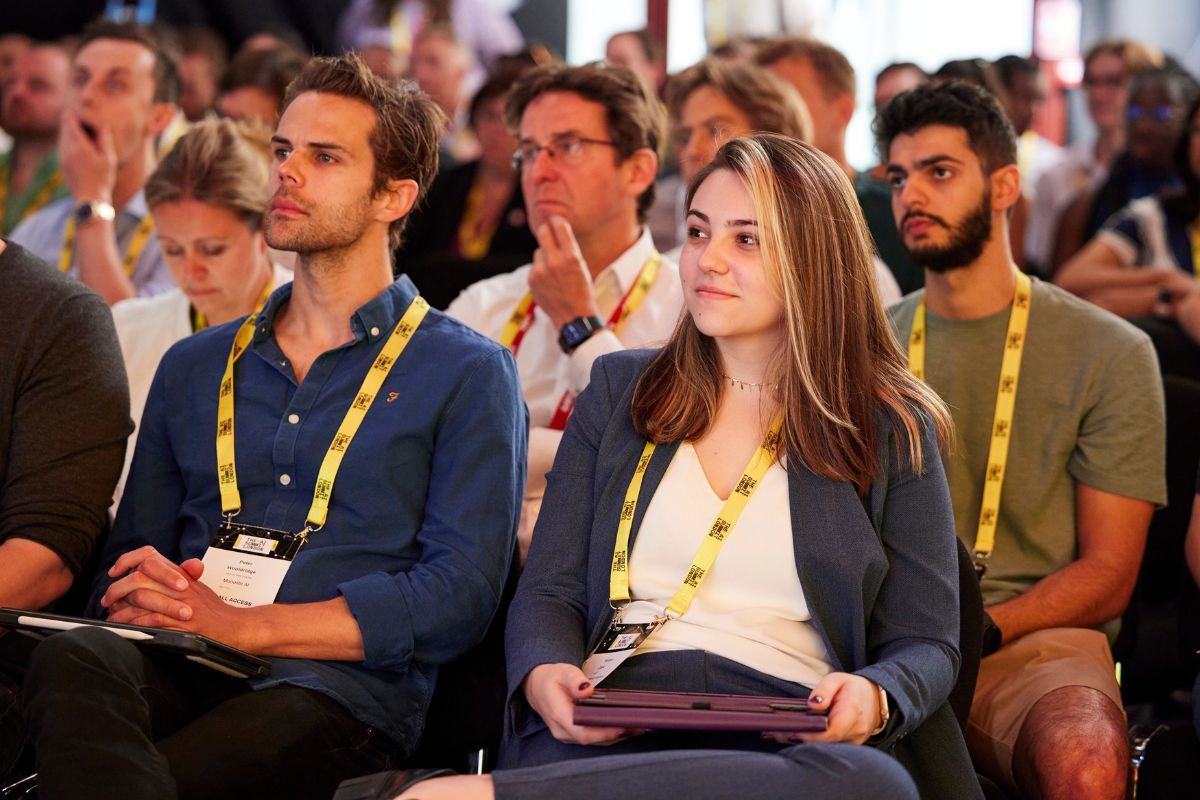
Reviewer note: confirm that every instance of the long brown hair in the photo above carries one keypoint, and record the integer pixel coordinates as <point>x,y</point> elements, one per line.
<point>840,365</point>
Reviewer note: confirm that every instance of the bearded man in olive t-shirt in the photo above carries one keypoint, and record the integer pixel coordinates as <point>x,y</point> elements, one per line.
<point>1059,456</point>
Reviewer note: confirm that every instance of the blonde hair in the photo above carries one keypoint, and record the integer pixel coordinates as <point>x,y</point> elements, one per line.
<point>840,365</point>
<point>219,162</point>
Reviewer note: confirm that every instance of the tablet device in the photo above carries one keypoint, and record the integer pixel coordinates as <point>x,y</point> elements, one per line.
<point>632,708</point>
<point>191,646</point>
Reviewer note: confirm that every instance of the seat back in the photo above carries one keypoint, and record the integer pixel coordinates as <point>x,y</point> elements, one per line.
<point>970,637</point>
<point>466,714</point>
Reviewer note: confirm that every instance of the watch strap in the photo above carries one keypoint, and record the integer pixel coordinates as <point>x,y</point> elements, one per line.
<point>578,331</point>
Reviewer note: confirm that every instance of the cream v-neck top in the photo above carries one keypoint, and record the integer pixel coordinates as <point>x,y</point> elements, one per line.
<point>750,607</point>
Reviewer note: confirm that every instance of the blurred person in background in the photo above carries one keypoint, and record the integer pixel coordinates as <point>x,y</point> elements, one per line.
<point>385,31</point>
<point>897,77</point>
<point>33,99</point>
<point>639,51</point>
<point>441,66</point>
<point>208,196</point>
<point>1108,67</point>
<point>11,46</point>
<point>1154,120</point>
<point>253,86</point>
<point>124,89</point>
<point>473,224</point>
<point>201,66</point>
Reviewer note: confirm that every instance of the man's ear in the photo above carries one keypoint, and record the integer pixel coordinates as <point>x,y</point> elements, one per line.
<point>396,199</point>
<point>160,117</point>
<point>1006,187</point>
<point>640,170</point>
<point>844,107</point>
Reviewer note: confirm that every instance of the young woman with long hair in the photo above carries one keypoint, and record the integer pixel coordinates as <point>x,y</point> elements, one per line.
<point>781,391</point>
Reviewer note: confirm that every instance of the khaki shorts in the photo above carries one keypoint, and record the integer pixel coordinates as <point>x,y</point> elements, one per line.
<point>1016,676</point>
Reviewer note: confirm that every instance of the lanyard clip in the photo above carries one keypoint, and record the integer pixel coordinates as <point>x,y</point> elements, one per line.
<point>229,515</point>
<point>979,560</point>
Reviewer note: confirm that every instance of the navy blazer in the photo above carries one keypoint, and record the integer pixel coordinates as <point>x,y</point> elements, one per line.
<point>879,573</point>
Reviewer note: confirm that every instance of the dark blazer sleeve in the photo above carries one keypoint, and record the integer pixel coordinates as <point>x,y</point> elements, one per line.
<point>547,622</point>
<point>912,634</point>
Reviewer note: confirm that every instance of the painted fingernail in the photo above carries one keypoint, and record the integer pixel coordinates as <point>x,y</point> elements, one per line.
<point>816,698</point>
<point>584,686</point>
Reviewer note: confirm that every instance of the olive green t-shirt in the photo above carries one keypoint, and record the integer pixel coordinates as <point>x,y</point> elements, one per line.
<point>1089,408</point>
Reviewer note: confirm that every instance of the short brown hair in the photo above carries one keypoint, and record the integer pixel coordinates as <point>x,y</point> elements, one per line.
<point>1138,57</point>
<point>408,124</point>
<point>771,104</point>
<point>634,117</point>
<point>269,70</point>
<point>167,81</point>
<point>219,162</point>
<point>826,59</point>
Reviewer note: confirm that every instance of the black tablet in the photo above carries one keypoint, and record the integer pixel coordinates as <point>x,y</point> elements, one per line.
<point>191,646</point>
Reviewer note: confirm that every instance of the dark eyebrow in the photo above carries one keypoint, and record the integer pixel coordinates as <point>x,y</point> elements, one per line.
<point>694,213</point>
<point>929,162</point>
<point>279,140</point>
<point>325,146</point>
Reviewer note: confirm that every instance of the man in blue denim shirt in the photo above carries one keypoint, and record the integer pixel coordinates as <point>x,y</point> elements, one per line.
<point>408,568</point>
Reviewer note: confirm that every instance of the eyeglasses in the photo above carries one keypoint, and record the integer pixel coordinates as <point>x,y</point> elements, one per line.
<point>566,149</point>
<point>1105,81</point>
<point>1160,113</point>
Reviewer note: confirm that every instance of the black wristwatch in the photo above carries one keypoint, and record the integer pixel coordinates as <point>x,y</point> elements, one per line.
<point>578,331</point>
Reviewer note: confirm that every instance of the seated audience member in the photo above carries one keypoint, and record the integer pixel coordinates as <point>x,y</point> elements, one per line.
<point>715,100</point>
<point>441,66</point>
<point>1078,452</point>
<point>208,196</point>
<point>473,224</point>
<point>1143,260</point>
<point>32,104</point>
<point>124,87</point>
<point>396,573</point>
<point>837,581</point>
<point>640,52</point>
<point>825,80</point>
<point>1107,68</point>
<point>1024,96</point>
<point>201,64</point>
<point>255,83</point>
<point>587,152</point>
<point>1158,99</point>
<point>897,77</point>
<point>60,355</point>
<point>1192,555</point>
<point>483,27</point>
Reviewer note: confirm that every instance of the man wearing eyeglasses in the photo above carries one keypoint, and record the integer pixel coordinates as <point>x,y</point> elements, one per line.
<point>588,151</point>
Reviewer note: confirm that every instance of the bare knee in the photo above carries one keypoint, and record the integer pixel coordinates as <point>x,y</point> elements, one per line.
<point>1072,745</point>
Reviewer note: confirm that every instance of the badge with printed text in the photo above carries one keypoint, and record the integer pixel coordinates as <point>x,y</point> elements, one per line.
<point>621,640</point>
<point>245,564</point>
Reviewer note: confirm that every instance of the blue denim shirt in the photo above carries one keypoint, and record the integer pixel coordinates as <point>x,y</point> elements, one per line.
<point>423,516</point>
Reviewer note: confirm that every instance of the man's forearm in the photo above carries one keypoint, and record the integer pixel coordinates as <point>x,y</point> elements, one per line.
<point>1080,595</point>
<point>325,630</point>
<point>31,575</point>
<point>99,262</point>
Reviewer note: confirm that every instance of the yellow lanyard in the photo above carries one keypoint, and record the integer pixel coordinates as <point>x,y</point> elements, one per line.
<point>1196,248</point>
<point>200,322</point>
<point>40,199</point>
<point>141,235</point>
<point>727,517</point>
<point>231,499</point>
<point>1002,421</point>
<point>474,232</point>
<point>522,316</point>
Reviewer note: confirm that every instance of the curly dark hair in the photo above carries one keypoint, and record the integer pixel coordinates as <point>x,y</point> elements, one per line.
<point>1183,203</point>
<point>956,104</point>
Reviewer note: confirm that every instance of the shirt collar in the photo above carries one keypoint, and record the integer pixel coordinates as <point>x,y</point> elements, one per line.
<point>136,207</point>
<point>628,265</point>
<point>372,321</point>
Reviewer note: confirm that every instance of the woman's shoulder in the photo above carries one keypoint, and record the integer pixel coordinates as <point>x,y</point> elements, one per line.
<point>624,366</point>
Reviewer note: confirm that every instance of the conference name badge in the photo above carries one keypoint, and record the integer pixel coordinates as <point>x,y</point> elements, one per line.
<point>245,565</point>
<point>621,640</point>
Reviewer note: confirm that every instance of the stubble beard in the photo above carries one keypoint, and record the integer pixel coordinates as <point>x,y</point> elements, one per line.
<point>967,240</point>
<point>321,231</point>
